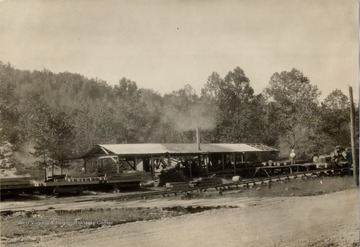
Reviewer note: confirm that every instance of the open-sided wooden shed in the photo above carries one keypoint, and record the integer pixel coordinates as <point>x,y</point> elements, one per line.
<point>207,158</point>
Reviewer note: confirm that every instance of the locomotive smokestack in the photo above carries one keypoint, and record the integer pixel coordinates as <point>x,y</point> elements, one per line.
<point>198,138</point>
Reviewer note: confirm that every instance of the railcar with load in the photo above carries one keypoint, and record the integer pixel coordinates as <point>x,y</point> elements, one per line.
<point>63,184</point>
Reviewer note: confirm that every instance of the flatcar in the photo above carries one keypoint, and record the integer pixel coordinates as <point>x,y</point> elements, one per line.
<point>67,184</point>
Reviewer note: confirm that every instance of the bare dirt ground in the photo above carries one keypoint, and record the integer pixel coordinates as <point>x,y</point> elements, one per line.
<point>323,220</point>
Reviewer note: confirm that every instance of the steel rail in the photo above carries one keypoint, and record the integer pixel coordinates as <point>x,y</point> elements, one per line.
<point>243,184</point>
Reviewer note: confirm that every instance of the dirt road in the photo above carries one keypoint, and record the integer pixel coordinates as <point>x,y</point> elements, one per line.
<point>325,220</point>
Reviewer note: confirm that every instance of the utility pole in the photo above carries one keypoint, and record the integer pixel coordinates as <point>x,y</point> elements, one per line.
<point>352,131</point>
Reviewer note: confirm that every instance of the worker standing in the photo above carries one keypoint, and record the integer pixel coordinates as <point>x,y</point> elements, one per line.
<point>292,156</point>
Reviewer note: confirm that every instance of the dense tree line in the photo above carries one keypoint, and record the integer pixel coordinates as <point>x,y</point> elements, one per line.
<point>64,114</point>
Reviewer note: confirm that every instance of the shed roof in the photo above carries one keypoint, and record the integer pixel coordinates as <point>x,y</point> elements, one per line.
<point>177,148</point>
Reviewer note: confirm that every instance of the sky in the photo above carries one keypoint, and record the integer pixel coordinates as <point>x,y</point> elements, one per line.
<point>166,44</point>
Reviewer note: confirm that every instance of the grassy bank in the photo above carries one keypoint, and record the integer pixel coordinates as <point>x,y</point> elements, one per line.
<point>293,187</point>
<point>302,187</point>
<point>39,223</point>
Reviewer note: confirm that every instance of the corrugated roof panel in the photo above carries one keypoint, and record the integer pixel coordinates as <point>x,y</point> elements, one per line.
<point>142,148</point>
<point>183,148</point>
<point>231,147</point>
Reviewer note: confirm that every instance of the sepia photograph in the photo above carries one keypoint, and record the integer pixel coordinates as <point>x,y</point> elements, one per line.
<point>180,123</point>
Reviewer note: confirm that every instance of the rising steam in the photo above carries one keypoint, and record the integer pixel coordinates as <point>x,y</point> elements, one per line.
<point>201,115</point>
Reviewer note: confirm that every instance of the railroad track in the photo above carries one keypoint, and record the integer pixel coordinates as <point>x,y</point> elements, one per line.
<point>219,188</point>
<point>223,187</point>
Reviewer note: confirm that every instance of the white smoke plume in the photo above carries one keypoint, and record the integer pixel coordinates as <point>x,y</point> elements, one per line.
<point>202,116</point>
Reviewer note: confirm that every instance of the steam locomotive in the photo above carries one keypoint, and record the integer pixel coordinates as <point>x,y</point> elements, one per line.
<point>339,158</point>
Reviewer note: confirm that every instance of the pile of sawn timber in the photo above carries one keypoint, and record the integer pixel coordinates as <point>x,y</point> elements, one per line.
<point>205,182</point>
<point>128,177</point>
<point>198,182</point>
<point>15,183</point>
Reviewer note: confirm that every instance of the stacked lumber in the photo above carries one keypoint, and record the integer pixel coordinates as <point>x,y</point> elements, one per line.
<point>85,175</point>
<point>170,175</point>
<point>177,186</point>
<point>206,182</point>
<point>15,183</point>
<point>126,177</point>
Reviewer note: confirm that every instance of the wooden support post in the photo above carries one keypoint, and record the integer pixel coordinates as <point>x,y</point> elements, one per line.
<point>168,160</point>
<point>199,161</point>
<point>45,166</point>
<point>135,163</point>
<point>190,167</point>
<point>234,158</point>
<point>223,164</point>
<point>102,165</point>
<point>207,163</point>
<point>117,166</point>
<point>242,160</point>
<point>352,131</point>
<point>152,165</point>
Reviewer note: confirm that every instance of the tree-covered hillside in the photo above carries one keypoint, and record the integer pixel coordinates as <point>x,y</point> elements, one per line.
<point>64,114</point>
